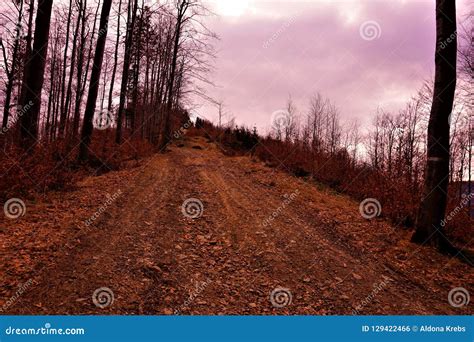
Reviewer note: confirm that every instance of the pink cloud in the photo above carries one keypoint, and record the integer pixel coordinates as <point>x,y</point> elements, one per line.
<point>298,48</point>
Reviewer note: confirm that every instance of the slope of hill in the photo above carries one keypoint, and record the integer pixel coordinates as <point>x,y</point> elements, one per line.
<point>251,240</point>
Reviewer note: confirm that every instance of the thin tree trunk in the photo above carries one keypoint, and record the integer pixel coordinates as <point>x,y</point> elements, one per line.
<point>11,73</point>
<point>68,100</point>
<point>62,123</point>
<point>50,110</point>
<point>80,66</point>
<point>104,87</point>
<point>469,172</point>
<point>28,47</point>
<point>114,71</point>
<point>126,65</point>
<point>136,75</point>
<point>87,126</point>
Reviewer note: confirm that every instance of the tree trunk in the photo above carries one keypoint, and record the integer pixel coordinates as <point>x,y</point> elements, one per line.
<point>430,220</point>
<point>12,72</point>
<point>27,53</point>
<point>469,172</point>
<point>35,76</point>
<point>62,123</point>
<point>114,70</point>
<point>80,66</point>
<point>87,126</point>
<point>67,105</point>
<point>136,74</point>
<point>165,134</point>
<point>126,65</point>
<point>85,74</point>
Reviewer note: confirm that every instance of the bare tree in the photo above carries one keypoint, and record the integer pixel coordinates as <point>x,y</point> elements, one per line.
<point>82,4</point>
<point>11,71</point>
<point>62,123</point>
<point>316,120</point>
<point>35,76</point>
<point>131,16</point>
<point>87,126</point>
<point>114,70</point>
<point>221,112</point>
<point>182,7</point>
<point>432,209</point>
<point>74,52</point>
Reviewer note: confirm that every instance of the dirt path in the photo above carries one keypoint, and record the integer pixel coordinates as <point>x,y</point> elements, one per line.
<point>259,230</point>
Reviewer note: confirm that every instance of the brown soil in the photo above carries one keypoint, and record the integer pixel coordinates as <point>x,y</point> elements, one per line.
<point>158,261</point>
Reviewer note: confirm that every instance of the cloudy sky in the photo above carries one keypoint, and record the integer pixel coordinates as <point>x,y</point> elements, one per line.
<point>361,54</point>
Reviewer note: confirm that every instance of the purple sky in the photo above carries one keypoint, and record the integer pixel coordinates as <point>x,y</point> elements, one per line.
<point>270,49</point>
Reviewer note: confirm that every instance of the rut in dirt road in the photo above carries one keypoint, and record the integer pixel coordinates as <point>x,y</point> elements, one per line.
<point>252,240</point>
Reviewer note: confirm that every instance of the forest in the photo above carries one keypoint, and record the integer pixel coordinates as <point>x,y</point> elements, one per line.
<point>96,67</point>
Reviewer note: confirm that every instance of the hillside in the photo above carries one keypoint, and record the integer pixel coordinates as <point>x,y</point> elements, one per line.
<point>258,229</point>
